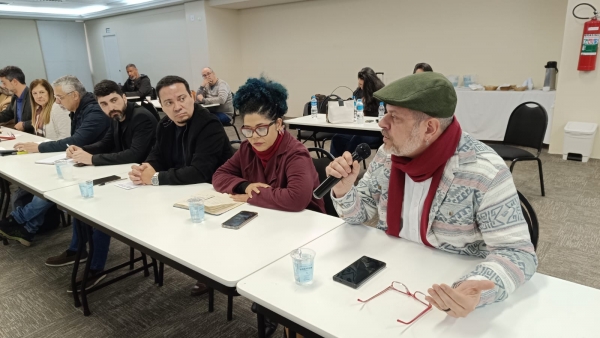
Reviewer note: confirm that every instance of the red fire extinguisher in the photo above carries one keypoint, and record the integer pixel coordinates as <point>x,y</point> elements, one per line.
<point>589,42</point>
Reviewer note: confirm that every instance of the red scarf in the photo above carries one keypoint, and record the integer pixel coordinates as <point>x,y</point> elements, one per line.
<point>266,155</point>
<point>430,164</point>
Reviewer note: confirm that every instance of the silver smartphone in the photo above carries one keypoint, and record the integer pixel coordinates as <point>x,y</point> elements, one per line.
<point>240,219</point>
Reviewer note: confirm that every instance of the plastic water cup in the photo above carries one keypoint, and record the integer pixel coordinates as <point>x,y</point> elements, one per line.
<point>67,171</point>
<point>196,206</point>
<point>303,261</point>
<point>467,80</point>
<point>453,79</point>
<point>59,165</point>
<point>87,189</point>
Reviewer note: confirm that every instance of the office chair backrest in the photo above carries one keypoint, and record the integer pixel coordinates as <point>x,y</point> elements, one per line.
<point>531,219</point>
<point>527,126</point>
<point>320,163</point>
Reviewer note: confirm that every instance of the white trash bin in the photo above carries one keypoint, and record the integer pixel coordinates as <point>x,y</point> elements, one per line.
<point>579,139</point>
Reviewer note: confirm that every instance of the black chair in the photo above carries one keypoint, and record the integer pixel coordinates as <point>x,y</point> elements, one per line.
<point>153,95</point>
<point>321,162</point>
<point>318,138</point>
<point>531,218</point>
<point>527,128</point>
<point>150,107</point>
<point>232,123</point>
<point>232,142</point>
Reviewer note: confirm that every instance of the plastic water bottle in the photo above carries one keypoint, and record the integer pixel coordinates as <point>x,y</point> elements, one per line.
<point>360,116</point>
<point>381,111</point>
<point>354,99</point>
<point>314,112</point>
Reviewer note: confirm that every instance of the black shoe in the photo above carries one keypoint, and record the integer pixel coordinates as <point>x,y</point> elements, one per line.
<point>11,229</point>
<point>270,326</point>
<point>92,280</point>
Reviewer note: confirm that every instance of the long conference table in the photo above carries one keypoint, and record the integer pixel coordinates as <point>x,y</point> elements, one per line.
<point>254,262</point>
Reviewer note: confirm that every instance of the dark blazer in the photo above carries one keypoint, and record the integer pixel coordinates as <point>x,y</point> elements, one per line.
<point>10,113</point>
<point>138,132</point>
<point>88,126</point>
<point>140,87</point>
<point>290,173</point>
<point>205,148</point>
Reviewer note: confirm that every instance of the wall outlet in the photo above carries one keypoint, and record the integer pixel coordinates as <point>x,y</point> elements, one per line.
<point>192,17</point>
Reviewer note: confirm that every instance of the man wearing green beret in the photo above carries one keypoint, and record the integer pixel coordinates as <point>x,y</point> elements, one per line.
<point>444,189</point>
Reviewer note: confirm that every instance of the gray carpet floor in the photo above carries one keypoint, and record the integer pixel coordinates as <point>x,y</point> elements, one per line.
<point>34,301</point>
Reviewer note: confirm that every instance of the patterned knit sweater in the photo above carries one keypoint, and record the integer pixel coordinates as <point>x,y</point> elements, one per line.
<point>475,212</point>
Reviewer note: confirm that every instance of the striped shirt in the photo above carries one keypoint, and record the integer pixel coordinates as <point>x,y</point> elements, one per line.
<point>475,212</point>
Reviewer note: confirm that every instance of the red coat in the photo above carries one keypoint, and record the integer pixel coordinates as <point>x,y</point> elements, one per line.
<point>290,173</point>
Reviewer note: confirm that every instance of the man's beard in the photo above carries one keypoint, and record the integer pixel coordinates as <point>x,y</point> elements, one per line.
<point>409,146</point>
<point>117,116</point>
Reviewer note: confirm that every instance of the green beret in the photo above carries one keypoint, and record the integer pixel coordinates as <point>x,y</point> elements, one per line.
<point>427,92</point>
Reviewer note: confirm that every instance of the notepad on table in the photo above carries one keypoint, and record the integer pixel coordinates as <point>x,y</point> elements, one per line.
<point>52,160</point>
<point>215,203</point>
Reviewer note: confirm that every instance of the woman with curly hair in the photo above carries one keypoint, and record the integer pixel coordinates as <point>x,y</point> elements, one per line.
<point>271,169</point>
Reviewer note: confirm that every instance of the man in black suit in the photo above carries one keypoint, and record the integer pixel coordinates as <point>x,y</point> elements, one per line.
<point>19,108</point>
<point>137,84</point>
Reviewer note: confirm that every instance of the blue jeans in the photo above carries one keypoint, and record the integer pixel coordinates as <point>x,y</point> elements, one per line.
<point>224,118</point>
<point>101,244</point>
<point>32,214</point>
<point>343,142</point>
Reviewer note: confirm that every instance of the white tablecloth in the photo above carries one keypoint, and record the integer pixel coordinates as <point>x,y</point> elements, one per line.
<point>485,114</point>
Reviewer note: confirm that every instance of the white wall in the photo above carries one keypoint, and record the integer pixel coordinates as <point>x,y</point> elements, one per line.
<point>577,96</point>
<point>65,52</point>
<point>20,46</point>
<point>314,46</point>
<point>156,41</point>
<point>224,45</point>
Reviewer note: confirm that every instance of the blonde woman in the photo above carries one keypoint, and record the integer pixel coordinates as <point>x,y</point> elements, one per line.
<point>49,119</point>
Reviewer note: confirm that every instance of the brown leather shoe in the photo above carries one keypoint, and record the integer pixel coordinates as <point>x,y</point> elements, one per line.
<point>199,289</point>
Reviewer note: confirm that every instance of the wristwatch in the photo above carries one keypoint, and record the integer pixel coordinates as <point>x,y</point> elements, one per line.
<point>154,179</point>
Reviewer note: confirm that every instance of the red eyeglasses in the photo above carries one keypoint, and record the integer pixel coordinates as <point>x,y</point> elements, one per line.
<point>408,293</point>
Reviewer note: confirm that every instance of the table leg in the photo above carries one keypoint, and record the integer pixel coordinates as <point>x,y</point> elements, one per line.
<point>88,263</point>
<point>155,270</point>
<point>211,299</point>
<point>80,248</point>
<point>161,273</point>
<point>131,257</point>
<point>260,321</point>
<point>145,262</point>
<point>229,307</point>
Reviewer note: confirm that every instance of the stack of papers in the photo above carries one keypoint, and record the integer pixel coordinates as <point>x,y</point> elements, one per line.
<point>215,203</point>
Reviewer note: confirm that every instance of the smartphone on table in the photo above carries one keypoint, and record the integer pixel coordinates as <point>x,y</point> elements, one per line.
<point>355,274</point>
<point>104,180</point>
<point>239,220</point>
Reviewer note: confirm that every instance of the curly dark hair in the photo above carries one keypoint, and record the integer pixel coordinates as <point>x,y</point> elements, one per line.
<point>107,87</point>
<point>261,96</point>
<point>371,84</point>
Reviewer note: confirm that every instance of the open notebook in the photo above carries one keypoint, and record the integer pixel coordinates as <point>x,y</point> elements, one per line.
<point>215,203</point>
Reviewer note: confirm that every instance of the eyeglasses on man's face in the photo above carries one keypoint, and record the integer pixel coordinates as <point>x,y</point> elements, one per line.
<point>207,75</point>
<point>399,287</point>
<point>261,130</point>
<point>62,97</point>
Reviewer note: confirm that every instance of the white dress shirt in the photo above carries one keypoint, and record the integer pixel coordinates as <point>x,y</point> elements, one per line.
<point>412,208</point>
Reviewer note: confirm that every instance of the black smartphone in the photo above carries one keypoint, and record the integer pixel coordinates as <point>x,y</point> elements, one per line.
<point>240,219</point>
<point>104,180</point>
<point>355,274</point>
<point>7,152</point>
<point>79,165</point>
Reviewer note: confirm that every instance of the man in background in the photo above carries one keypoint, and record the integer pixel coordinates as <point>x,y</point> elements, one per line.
<point>19,109</point>
<point>422,67</point>
<point>216,91</point>
<point>137,84</point>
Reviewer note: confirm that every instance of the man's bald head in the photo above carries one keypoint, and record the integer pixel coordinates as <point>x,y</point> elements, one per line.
<point>209,76</point>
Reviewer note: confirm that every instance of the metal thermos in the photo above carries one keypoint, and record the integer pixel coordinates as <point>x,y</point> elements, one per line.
<point>550,79</point>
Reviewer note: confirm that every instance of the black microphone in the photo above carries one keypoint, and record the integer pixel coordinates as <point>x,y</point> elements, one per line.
<point>363,151</point>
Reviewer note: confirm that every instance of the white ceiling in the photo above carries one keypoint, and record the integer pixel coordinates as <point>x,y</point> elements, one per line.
<point>91,9</point>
